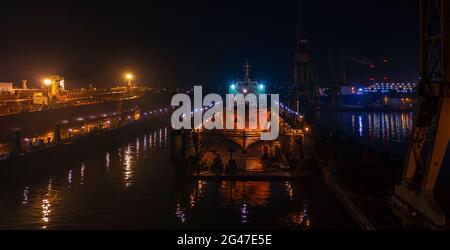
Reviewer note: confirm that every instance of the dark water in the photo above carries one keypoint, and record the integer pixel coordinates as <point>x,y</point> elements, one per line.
<point>388,132</point>
<point>382,130</point>
<point>131,185</point>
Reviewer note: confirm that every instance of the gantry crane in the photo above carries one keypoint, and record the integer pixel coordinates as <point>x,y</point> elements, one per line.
<point>306,90</point>
<point>431,132</point>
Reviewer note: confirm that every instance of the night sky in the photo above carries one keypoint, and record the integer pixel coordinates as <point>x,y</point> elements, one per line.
<point>176,43</point>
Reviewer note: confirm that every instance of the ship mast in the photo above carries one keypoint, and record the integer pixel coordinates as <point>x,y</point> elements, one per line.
<point>301,37</point>
<point>247,72</point>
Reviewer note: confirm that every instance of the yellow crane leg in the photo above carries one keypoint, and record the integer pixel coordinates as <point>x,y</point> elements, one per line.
<point>439,147</point>
<point>423,200</point>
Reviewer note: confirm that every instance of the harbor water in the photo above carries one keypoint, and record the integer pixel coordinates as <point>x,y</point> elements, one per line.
<point>131,185</point>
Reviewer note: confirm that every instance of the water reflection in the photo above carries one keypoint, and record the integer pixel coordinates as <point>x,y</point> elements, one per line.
<point>82,173</point>
<point>25,196</point>
<point>138,145</point>
<point>150,140</point>
<point>244,213</point>
<point>165,137</point>
<point>246,199</point>
<point>255,193</point>
<point>360,130</point>
<point>385,128</point>
<point>289,190</point>
<point>130,155</point>
<point>69,179</point>
<point>353,123</point>
<point>180,213</point>
<point>107,161</point>
<point>47,201</point>
<point>301,218</point>
<point>45,211</point>
<point>140,193</point>
<point>379,126</point>
<point>196,193</point>
<point>145,143</point>
<point>160,138</point>
<point>128,170</point>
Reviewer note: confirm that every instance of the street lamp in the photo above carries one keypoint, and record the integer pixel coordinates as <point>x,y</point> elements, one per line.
<point>47,82</point>
<point>129,78</point>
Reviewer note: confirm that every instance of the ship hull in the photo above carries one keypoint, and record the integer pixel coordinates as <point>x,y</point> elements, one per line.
<point>32,123</point>
<point>102,139</point>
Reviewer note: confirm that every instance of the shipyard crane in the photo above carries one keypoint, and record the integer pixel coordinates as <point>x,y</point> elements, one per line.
<point>306,89</point>
<point>431,133</point>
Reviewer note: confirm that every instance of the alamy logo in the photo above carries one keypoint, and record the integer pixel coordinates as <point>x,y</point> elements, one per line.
<point>209,113</point>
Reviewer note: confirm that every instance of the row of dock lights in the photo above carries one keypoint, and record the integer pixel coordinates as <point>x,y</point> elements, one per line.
<point>156,111</point>
<point>92,117</point>
<point>289,110</point>
<point>128,76</point>
<point>293,113</point>
<point>200,110</point>
<point>70,131</point>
